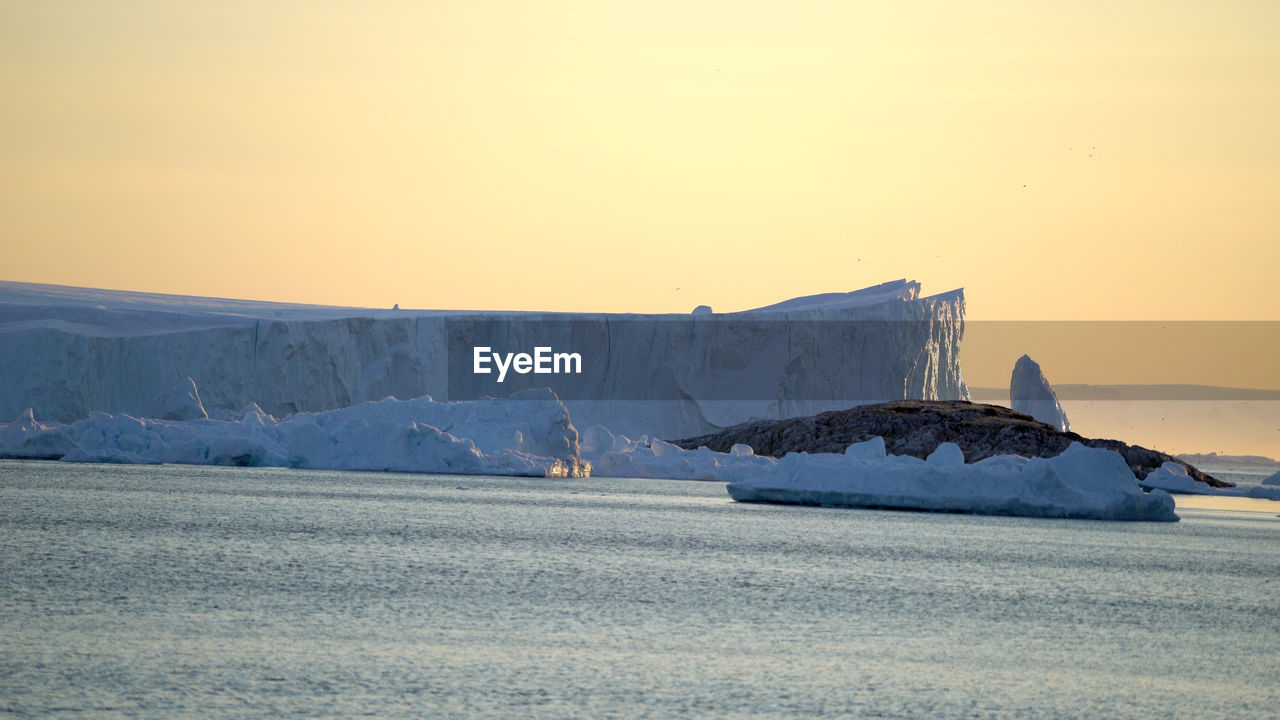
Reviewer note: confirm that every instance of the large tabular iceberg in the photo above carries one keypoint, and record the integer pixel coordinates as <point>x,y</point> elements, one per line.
<point>66,352</point>
<point>529,436</point>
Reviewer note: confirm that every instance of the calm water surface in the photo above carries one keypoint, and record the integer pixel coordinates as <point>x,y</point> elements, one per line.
<point>194,592</point>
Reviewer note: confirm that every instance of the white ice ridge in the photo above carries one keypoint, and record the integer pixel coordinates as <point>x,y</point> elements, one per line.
<point>1031,393</point>
<point>530,435</point>
<point>66,352</point>
<point>1173,477</point>
<point>1080,483</point>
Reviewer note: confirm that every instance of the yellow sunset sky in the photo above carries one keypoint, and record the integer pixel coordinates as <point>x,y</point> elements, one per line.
<point>1070,160</point>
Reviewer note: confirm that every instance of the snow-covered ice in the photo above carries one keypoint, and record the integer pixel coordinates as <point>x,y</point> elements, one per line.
<point>1081,483</point>
<point>1261,492</point>
<point>181,403</point>
<point>1031,393</point>
<point>1173,477</point>
<point>659,459</point>
<point>529,436</point>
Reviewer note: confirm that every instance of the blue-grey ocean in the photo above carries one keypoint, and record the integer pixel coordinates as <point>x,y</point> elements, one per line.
<point>170,591</point>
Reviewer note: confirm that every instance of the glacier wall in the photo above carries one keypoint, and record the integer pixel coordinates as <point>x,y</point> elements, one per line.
<point>65,352</point>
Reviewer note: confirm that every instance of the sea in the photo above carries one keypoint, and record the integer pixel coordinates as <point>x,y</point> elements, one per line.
<point>177,591</point>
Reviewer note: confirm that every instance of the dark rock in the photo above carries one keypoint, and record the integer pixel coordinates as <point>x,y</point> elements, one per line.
<point>917,427</point>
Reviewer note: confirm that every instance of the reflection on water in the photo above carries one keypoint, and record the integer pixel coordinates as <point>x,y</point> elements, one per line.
<point>1233,504</point>
<point>180,591</point>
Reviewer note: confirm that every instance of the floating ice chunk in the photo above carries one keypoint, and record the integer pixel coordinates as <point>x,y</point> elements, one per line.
<point>27,438</point>
<point>1273,480</point>
<point>661,448</point>
<point>1030,393</point>
<point>181,402</point>
<point>872,449</point>
<point>740,450</point>
<point>1080,483</point>
<point>251,414</point>
<point>597,439</point>
<point>1173,477</point>
<point>497,437</point>
<point>622,443</point>
<point>673,463</point>
<point>1269,492</point>
<point>947,454</point>
<point>24,426</point>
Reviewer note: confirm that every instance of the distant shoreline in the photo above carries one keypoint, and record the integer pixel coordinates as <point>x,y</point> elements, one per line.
<point>1215,458</point>
<point>1135,392</point>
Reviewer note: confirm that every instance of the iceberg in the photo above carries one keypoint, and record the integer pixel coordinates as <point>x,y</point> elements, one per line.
<point>1081,483</point>
<point>1084,483</point>
<point>1031,394</point>
<point>528,436</point>
<point>1261,492</point>
<point>658,459</point>
<point>1173,478</point>
<point>67,352</point>
<point>181,403</point>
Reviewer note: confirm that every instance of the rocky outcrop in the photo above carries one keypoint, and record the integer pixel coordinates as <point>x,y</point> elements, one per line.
<point>917,428</point>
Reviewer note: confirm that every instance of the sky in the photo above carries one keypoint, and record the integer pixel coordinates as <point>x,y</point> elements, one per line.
<point>1059,160</point>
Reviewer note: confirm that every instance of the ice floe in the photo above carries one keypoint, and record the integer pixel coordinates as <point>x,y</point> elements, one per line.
<point>1081,483</point>
<point>530,435</point>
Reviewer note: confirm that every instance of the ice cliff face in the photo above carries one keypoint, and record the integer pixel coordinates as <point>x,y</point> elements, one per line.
<point>1031,393</point>
<point>66,352</point>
